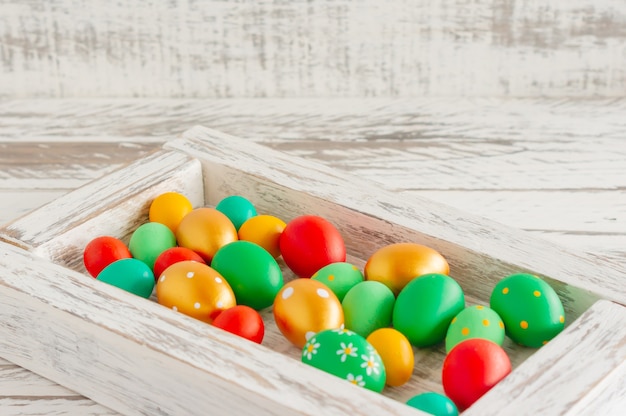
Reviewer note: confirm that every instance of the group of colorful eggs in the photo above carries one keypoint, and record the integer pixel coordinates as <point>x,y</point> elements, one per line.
<point>219,265</point>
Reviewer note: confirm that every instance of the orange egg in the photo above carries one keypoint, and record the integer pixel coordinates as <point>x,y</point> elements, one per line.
<point>395,265</point>
<point>205,230</point>
<point>265,231</point>
<point>303,307</point>
<point>194,289</point>
<point>169,209</point>
<point>396,352</point>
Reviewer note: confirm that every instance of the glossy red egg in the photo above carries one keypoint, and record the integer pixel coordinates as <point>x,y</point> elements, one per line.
<point>174,255</point>
<point>242,320</point>
<point>102,251</point>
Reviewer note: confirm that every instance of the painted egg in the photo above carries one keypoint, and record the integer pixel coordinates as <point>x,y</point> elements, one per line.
<point>252,273</point>
<point>475,322</point>
<point>205,230</point>
<point>194,289</point>
<point>367,307</point>
<point>131,275</point>
<point>264,230</point>
<point>396,265</point>
<point>425,308</point>
<point>347,355</point>
<point>149,240</point>
<point>102,251</point>
<point>242,320</point>
<point>237,208</point>
<point>396,353</point>
<point>174,255</point>
<point>339,277</point>
<point>471,369</point>
<point>169,209</point>
<point>531,310</point>
<point>433,403</point>
<point>303,307</point>
<point>309,243</point>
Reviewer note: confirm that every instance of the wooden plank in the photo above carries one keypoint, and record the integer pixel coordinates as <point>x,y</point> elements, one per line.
<point>181,48</point>
<point>574,373</point>
<point>38,406</point>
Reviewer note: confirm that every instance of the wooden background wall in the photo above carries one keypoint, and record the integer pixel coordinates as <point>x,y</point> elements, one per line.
<point>282,48</point>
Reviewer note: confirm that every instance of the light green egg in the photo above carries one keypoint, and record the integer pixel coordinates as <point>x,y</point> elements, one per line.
<point>367,307</point>
<point>340,277</point>
<point>475,322</point>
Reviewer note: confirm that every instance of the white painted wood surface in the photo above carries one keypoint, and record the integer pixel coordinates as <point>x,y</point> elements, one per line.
<point>263,48</point>
<point>468,266</point>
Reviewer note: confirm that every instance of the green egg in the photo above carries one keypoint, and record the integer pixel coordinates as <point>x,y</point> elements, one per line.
<point>339,277</point>
<point>433,403</point>
<point>367,307</point>
<point>530,309</point>
<point>475,322</point>
<point>131,275</point>
<point>237,208</point>
<point>149,240</point>
<point>347,355</point>
<point>425,307</point>
<point>252,272</point>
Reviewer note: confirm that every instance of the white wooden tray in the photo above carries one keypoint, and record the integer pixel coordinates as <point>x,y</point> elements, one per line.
<point>137,357</point>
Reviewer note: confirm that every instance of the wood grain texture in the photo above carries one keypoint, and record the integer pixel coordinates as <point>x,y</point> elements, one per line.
<point>251,48</point>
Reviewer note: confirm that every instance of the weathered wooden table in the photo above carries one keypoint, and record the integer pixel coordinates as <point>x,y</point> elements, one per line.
<point>554,167</point>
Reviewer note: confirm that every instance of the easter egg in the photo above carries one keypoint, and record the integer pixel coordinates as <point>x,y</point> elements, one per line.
<point>303,307</point>
<point>264,230</point>
<point>131,275</point>
<point>367,307</point>
<point>471,369</point>
<point>396,265</point>
<point>102,251</point>
<point>425,307</point>
<point>194,289</point>
<point>309,243</point>
<point>169,209</point>
<point>149,240</point>
<point>174,255</point>
<point>530,309</point>
<point>433,403</point>
<point>347,355</point>
<point>205,230</point>
<point>475,322</point>
<point>396,353</point>
<point>242,320</point>
<point>252,273</point>
<point>237,208</point>
<point>339,277</point>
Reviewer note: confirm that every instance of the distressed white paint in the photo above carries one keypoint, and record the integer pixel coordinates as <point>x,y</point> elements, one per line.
<point>252,48</point>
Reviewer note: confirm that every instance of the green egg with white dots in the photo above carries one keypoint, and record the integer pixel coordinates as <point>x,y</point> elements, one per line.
<point>475,322</point>
<point>530,309</point>
<point>340,277</point>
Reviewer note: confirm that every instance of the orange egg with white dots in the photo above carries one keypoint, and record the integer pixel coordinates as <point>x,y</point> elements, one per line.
<point>169,209</point>
<point>304,307</point>
<point>264,230</point>
<point>194,289</point>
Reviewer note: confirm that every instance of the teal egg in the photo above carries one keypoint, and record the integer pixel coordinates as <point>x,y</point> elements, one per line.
<point>434,403</point>
<point>237,208</point>
<point>149,240</point>
<point>339,277</point>
<point>347,355</point>
<point>367,307</point>
<point>131,275</point>
<point>475,322</point>
<point>252,273</point>
<point>425,308</point>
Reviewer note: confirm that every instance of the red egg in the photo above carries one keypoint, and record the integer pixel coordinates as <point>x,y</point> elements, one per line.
<point>471,369</point>
<point>102,251</point>
<point>174,255</point>
<point>242,320</point>
<point>309,243</point>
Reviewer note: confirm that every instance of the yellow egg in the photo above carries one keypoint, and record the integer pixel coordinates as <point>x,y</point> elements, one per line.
<point>169,209</point>
<point>194,289</point>
<point>395,265</point>
<point>265,231</point>
<point>304,307</point>
<point>205,230</point>
<point>396,352</point>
